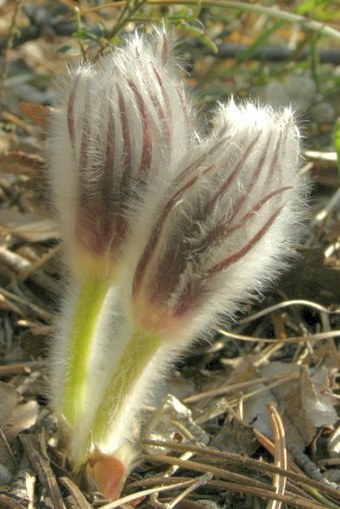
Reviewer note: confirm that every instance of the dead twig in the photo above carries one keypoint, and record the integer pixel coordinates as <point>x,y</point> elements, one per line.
<point>36,453</point>
<point>280,455</point>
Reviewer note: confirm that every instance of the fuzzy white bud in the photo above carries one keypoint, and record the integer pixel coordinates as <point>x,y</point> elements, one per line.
<point>166,231</point>
<point>228,226</point>
<point>121,125</point>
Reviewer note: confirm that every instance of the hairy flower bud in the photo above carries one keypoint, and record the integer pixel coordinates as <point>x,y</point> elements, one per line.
<point>165,230</point>
<point>120,128</point>
<point>121,125</point>
<point>228,225</point>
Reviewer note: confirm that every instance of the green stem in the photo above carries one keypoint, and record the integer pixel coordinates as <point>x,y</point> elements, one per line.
<point>86,316</point>
<point>272,12</point>
<point>124,379</point>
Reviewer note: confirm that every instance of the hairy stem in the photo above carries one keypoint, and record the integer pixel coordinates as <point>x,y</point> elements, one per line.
<point>82,333</point>
<point>127,376</point>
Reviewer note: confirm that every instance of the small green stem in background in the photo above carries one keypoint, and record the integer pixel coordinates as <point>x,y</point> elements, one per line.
<point>124,379</point>
<point>272,12</point>
<point>86,316</point>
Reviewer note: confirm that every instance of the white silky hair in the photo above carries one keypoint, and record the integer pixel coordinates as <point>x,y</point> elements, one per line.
<point>269,144</point>
<point>138,86</point>
<point>144,76</point>
<point>122,428</point>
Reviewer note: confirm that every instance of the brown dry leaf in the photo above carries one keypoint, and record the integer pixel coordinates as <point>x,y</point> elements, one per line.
<point>172,417</point>
<point>236,437</point>
<point>38,113</point>
<point>15,416</point>
<point>318,405</point>
<point>30,227</point>
<point>21,163</point>
<point>302,405</point>
<point>23,417</point>
<point>333,444</point>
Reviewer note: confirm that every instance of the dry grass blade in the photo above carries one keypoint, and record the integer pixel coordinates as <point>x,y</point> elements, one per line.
<point>298,339</point>
<point>14,261</point>
<point>226,389</point>
<point>9,503</point>
<point>14,119</point>
<point>249,463</point>
<point>144,493</point>
<point>18,266</point>
<point>170,471</point>
<point>222,486</point>
<point>280,456</point>
<point>319,489</point>
<point>200,481</point>
<point>285,304</point>
<point>19,368</point>
<point>74,491</point>
<point>317,155</point>
<point>41,466</point>
<point>238,483</point>
<point>203,468</point>
<point>5,295</point>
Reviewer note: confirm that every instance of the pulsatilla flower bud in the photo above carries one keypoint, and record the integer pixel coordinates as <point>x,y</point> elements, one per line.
<point>165,232</point>
<point>227,226</point>
<point>120,128</point>
<point>121,125</point>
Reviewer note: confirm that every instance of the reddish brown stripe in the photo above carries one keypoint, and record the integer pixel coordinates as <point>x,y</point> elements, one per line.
<point>70,111</point>
<point>109,152</point>
<point>230,178</point>
<point>197,164</point>
<point>245,249</point>
<point>147,131</point>
<point>84,144</point>
<point>157,231</point>
<point>125,134</point>
<point>256,208</point>
<point>165,116</point>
